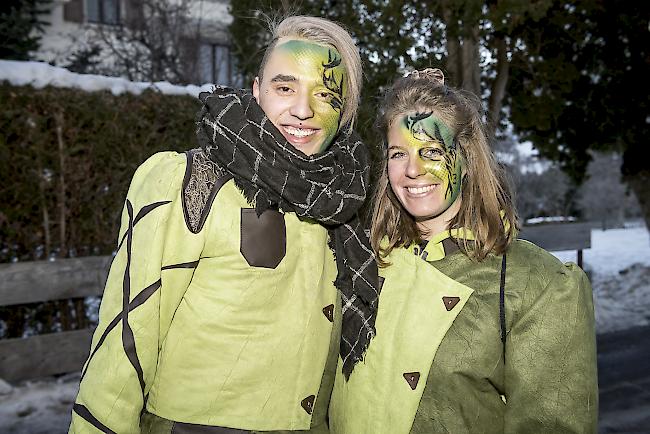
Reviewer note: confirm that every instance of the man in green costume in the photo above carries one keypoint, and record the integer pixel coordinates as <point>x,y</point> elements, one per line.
<point>221,312</point>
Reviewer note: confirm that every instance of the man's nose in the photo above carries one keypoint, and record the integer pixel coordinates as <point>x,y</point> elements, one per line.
<point>301,107</point>
<point>415,167</point>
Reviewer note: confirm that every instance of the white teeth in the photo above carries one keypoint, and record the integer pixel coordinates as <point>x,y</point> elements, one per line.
<point>418,190</point>
<point>299,132</point>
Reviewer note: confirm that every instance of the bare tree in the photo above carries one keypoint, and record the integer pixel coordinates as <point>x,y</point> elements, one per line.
<point>156,40</point>
<point>604,197</point>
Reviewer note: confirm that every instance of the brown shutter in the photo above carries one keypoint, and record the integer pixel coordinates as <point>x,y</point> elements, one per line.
<point>74,11</point>
<point>134,11</point>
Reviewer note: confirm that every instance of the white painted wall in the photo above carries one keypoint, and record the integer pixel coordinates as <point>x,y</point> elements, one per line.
<point>62,38</point>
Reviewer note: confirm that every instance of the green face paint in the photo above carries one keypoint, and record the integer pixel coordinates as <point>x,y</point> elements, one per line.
<point>428,137</point>
<point>320,70</point>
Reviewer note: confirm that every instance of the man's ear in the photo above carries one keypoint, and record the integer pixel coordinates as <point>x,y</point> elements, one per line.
<point>256,89</point>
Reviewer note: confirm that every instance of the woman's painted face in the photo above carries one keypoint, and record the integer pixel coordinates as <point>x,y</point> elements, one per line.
<point>302,93</point>
<point>425,167</point>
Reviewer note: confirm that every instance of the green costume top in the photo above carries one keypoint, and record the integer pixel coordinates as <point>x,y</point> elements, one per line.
<point>211,315</point>
<point>437,364</point>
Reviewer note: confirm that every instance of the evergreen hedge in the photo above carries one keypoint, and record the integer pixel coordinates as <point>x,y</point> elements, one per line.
<point>66,160</point>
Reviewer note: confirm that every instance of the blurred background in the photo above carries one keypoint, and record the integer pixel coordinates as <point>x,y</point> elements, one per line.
<point>90,88</point>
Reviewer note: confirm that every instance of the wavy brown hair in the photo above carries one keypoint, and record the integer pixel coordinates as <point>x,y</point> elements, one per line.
<point>486,208</point>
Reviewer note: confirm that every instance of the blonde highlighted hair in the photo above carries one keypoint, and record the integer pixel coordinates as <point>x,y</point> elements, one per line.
<point>324,32</point>
<point>486,207</point>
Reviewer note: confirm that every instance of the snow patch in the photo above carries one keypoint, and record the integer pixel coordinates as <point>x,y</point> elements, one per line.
<point>41,74</point>
<point>619,266</point>
<point>39,407</point>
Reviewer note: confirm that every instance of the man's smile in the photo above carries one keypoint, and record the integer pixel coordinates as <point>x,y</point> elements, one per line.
<point>299,132</point>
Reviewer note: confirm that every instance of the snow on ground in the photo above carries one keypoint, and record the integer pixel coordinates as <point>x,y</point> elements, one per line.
<point>38,407</point>
<point>40,74</point>
<point>619,266</point>
<point>618,261</point>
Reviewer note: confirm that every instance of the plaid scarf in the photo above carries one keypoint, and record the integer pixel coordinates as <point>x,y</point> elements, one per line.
<point>328,187</point>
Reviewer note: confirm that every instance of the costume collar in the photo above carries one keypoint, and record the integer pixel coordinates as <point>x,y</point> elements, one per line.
<point>441,245</point>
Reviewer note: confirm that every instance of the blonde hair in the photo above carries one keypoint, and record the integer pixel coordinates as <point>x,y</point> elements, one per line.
<point>486,204</point>
<point>324,32</point>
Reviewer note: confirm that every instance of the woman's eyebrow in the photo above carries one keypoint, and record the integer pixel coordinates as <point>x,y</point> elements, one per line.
<point>283,78</point>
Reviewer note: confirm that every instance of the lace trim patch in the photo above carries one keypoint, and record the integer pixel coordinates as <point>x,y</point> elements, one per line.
<point>203,179</point>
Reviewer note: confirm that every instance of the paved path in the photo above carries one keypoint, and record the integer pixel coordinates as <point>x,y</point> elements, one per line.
<point>624,381</point>
<point>43,407</point>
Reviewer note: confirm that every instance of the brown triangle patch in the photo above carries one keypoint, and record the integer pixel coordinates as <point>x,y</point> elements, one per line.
<point>308,403</point>
<point>329,312</point>
<point>450,302</point>
<point>412,379</point>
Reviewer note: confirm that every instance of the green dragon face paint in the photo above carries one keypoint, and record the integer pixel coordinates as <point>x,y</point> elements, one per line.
<point>303,93</point>
<point>424,165</point>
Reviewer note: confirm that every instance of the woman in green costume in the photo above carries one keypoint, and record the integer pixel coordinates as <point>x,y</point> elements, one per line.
<point>476,331</point>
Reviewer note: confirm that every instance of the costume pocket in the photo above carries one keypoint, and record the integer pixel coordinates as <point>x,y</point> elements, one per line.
<point>263,239</point>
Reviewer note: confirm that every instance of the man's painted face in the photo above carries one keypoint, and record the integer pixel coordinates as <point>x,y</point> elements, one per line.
<point>302,93</point>
<point>424,165</point>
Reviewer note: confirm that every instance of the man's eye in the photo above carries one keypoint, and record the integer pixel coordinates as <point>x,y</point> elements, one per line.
<point>325,95</point>
<point>283,89</point>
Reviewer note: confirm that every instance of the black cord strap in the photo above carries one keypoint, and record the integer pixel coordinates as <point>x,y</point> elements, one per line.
<point>502,307</point>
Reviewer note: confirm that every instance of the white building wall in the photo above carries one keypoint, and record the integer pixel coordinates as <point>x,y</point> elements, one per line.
<point>63,38</point>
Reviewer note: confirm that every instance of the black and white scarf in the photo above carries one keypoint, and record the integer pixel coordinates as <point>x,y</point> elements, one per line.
<point>328,187</point>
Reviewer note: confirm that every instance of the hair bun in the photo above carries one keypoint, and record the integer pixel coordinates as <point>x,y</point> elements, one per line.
<point>433,74</point>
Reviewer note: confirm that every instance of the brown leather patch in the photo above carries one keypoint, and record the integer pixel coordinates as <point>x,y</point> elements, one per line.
<point>263,239</point>
<point>329,312</point>
<point>190,428</point>
<point>412,379</point>
<point>450,302</point>
<point>308,403</point>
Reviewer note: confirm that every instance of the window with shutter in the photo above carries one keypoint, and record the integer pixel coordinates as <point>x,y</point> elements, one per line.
<point>73,11</point>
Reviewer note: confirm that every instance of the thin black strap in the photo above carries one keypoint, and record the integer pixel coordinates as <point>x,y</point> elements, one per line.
<point>502,307</point>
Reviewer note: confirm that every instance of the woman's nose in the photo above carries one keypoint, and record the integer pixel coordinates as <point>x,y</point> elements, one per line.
<point>415,166</point>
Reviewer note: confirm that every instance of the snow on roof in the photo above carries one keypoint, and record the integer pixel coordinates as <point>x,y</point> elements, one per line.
<point>41,74</point>
<point>552,219</point>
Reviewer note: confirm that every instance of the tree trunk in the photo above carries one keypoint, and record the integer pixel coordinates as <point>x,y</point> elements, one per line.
<point>640,185</point>
<point>62,186</point>
<point>47,238</point>
<point>471,69</point>
<point>454,62</point>
<point>498,91</point>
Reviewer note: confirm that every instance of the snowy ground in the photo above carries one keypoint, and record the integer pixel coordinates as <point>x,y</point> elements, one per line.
<point>619,265</point>
<point>618,261</point>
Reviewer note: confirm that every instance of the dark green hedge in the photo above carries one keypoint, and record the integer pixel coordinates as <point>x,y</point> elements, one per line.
<point>66,160</point>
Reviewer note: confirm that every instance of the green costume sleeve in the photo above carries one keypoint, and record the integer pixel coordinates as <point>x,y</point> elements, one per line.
<point>550,362</point>
<point>139,300</point>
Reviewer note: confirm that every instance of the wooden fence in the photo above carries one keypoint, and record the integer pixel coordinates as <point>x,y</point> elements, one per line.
<point>560,236</point>
<point>58,353</point>
<point>30,282</point>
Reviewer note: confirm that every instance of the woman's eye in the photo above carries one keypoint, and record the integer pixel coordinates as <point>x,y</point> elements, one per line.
<point>397,154</point>
<point>432,153</point>
<point>325,95</point>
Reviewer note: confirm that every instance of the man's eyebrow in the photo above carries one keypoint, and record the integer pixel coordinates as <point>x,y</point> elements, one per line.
<point>282,77</point>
